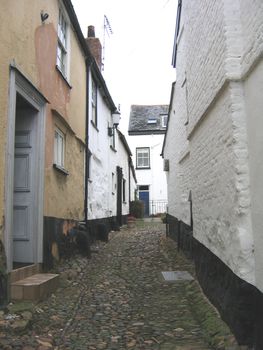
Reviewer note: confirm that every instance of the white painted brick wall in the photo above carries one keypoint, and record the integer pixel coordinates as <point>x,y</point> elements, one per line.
<point>220,44</point>
<point>206,51</point>
<point>252,26</point>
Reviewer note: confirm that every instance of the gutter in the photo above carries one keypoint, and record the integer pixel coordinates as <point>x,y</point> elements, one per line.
<point>169,113</point>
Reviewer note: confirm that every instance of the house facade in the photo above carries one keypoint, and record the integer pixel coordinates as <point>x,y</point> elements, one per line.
<point>213,150</point>
<point>43,114</point>
<point>58,137</point>
<point>109,165</point>
<point>147,126</point>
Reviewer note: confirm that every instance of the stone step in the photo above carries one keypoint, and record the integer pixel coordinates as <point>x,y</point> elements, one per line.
<point>24,272</point>
<point>36,287</point>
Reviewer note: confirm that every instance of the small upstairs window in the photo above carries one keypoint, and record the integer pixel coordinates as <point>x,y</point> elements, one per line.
<point>152,121</point>
<point>143,158</point>
<point>59,148</point>
<point>62,53</point>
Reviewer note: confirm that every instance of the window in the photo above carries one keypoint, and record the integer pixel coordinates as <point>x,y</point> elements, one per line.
<point>123,190</point>
<point>59,148</point>
<point>152,121</point>
<point>143,158</point>
<point>94,102</point>
<point>177,29</point>
<point>164,120</point>
<point>62,43</point>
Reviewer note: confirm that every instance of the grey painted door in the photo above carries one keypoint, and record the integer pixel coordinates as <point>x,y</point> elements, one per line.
<point>23,209</point>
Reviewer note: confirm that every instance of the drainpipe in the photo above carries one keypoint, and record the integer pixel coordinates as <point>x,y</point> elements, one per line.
<point>88,64</point>
<point>129,167</point>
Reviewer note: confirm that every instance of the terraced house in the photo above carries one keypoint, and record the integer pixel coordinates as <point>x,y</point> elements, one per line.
<point>50,85</point>
<point>213,147</point>
<point>147,126</point>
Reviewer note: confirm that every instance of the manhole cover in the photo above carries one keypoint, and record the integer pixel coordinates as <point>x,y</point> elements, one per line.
<point>172,276</point>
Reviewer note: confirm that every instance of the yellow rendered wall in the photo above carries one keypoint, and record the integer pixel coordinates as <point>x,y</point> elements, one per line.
<point>32,46</point>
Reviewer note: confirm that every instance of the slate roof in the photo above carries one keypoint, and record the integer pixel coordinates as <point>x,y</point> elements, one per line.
<point>139,119</point>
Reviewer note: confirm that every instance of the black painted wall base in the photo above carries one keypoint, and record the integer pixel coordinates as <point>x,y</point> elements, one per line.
<point>240,304</point>
<point>62,238</point>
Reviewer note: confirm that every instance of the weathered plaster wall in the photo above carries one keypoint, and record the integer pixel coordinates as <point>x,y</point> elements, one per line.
<point>99,194</point>
<point>17,43</point>
<point>64,195</point>
<point>32,46</point>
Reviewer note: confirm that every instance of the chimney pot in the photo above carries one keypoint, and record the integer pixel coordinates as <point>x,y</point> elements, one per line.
<point>91,32</point>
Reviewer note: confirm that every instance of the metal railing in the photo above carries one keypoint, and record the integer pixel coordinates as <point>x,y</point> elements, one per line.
<point>158,207</point>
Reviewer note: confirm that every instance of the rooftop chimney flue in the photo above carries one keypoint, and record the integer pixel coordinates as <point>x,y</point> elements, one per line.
<point>94,46</point>
<point>91,32</point>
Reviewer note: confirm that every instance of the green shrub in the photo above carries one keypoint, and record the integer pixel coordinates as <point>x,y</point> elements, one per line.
<point>137,209</point>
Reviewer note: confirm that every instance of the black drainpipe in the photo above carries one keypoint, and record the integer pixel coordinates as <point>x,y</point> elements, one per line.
<point>88,64</point>
<point>129,167</point>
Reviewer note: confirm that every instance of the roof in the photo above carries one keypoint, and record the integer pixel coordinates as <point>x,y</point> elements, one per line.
<point>124,142</point>
<point>147,119</point>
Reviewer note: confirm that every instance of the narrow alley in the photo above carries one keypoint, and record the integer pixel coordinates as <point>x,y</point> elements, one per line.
<point>119,299</point>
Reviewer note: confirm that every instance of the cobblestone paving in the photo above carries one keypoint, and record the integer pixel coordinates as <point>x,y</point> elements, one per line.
<point>118,300</point>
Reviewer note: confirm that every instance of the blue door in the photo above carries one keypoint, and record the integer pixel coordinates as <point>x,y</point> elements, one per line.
<point>144,196</point>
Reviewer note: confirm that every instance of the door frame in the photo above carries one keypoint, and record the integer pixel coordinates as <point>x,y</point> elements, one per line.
<point>20,84</point>
<point>148,205</point>
<point>119,195</point>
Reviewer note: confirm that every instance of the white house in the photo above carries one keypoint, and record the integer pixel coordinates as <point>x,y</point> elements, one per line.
<point>109,165</point>
<point>214,149</point>
<point>147,126</point>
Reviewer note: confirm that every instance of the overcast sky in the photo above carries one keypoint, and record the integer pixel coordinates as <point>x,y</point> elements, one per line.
<point>137,66</point>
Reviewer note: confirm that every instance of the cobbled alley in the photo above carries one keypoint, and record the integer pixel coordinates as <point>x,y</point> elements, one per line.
<point>119,299</point>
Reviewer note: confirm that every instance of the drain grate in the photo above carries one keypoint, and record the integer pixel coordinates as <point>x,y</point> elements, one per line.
<point>173,276</point>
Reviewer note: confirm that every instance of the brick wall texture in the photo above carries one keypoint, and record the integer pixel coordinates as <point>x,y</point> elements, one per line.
<point>220,44</point>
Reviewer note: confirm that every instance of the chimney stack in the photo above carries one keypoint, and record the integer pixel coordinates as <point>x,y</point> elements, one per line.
<point>94,46</point>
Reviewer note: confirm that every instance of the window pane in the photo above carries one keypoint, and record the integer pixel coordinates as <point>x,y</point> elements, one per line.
<point>143,157</point>
<point>62,43</point>
<point>59,148</point>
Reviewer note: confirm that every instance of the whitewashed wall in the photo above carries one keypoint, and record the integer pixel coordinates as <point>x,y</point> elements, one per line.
<point>102,186</point>
<point>217,109</point>
<point>102,163</point>
<point>155,176</point>
<point>123,162</point>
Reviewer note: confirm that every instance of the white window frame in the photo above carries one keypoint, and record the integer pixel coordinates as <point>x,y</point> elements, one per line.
<point>164,123</point>
<point>59,148</point>
<point>63,43</point>
<point>140,150</point>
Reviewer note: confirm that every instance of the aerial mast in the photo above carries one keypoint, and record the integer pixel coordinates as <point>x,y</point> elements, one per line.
<point>106,30</point>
